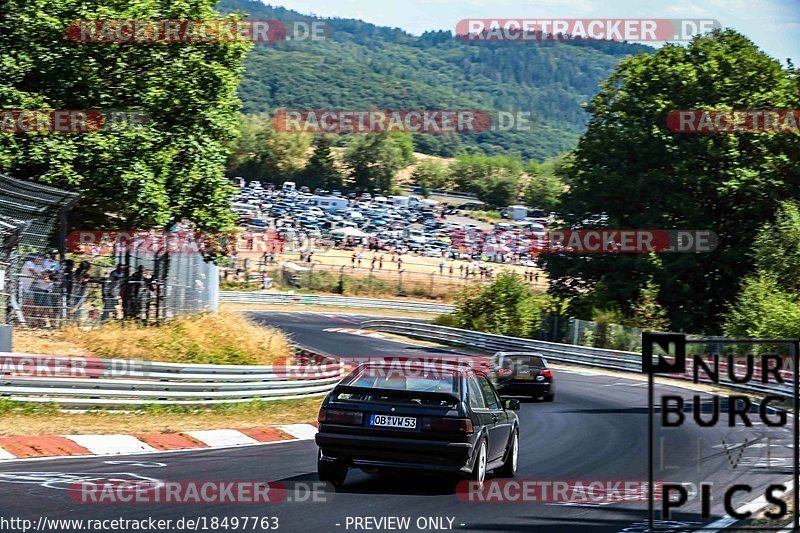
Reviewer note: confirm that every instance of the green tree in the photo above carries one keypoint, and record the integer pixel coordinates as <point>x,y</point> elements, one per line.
<point>631,167</point>
<point>764,309</point>
<point>263,153</point>
<point>375,159</point>
<point>495,179</point>
<point>648,313</point>
<point>321,169</point>
<point>507,306</point>
<point>431,174</point>
<point>169,167</point>
<point>545,187</point>
<point>769,303</point>
<point>777,246</point>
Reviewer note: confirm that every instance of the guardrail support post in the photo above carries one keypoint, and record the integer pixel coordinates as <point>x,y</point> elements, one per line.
<point>6,333</point>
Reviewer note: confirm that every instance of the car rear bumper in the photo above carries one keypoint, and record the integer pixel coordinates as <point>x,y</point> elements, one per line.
<point>525,388</point>
<point>396,453</point>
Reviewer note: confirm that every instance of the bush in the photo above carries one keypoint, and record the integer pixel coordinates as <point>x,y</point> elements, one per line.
<point>507,306</point>
<point>209,338</point>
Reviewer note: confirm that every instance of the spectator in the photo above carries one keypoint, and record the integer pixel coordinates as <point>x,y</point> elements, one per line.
<point>110,294</point>
<point>135,289</point>
<point>51,261</point>
<point>150,293</point>
<point>31,270</point>
<point>79,289</point>
<point>125,291</point>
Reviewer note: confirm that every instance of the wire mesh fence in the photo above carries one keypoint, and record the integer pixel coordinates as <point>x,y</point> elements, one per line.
<point>42,285</point>
<point>556,328</point>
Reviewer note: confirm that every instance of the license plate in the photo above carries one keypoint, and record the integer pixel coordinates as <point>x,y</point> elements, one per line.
<point>387,421</point>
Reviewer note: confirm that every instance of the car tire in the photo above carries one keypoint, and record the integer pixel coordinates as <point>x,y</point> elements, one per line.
<point>331,471</point>
<point>509,466</point>
<point>549,398</point>
<point>481,460</point>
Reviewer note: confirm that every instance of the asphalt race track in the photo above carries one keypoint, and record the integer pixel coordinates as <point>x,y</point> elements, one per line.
<point>595,430</point>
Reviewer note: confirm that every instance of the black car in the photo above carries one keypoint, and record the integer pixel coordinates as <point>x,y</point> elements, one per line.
<point>524,374</point>
<point>449,420</point>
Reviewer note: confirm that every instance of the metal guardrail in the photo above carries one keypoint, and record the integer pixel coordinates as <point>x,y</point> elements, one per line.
<point>562,353</point>
<point>333,301</point>
<point>85,382</point>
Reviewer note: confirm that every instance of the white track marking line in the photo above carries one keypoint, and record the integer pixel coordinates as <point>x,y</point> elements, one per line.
<point>110,444</point>
<point>300,431</point>
<point>221,437</point>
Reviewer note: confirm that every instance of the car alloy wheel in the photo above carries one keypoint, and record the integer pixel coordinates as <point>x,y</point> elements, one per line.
<point>479,472</point>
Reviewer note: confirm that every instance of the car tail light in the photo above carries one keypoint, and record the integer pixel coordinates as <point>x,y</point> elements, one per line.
<point>332,416</point>
<point>504,372</point>
<point>452,425</point>
<point>546,373</point>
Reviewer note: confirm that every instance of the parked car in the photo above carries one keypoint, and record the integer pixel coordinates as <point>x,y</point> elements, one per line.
<point>449,420</point>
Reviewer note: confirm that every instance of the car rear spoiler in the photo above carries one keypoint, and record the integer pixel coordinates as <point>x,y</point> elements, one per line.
<point>442,396</point>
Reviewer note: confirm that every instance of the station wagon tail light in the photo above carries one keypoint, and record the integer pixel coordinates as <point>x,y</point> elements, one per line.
<point>546,373</point>
<point>333,416</point>
<point>448,425</point>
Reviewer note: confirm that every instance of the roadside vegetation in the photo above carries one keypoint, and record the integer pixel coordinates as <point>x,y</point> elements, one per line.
<point>509,306</point>
<point>631,168</point>
<point>223,338</point>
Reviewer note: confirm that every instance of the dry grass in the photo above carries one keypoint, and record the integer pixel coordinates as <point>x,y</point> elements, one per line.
<point>223,338</point>
<point>160,420</point>
<point>48,342</point>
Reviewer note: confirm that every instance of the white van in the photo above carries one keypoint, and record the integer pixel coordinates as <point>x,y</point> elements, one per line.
<point>328,203</point>
<point>289,186</point>
<point>515,212</point>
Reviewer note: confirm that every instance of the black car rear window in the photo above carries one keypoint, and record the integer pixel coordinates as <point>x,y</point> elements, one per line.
<point>523,362</point>
<point>406,380</point>
<point>419,388</point>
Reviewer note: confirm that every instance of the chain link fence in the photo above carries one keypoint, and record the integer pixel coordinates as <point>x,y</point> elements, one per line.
<point>43,284</point>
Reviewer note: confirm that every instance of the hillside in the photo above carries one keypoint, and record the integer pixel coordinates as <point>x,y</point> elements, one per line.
<point>364,66</point>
